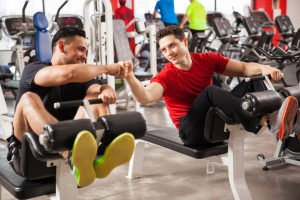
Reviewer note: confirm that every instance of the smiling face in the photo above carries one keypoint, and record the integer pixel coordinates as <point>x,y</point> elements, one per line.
<point>74,50</point>
<point>174,50</point>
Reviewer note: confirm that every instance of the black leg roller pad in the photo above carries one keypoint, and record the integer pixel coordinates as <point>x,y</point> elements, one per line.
<point>291,91</point>
<point>61,136</point>
<point>261,103</point>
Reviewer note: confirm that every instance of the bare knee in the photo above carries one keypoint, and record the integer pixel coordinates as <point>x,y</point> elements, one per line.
<point>28,98</point>
<point>22,112</point>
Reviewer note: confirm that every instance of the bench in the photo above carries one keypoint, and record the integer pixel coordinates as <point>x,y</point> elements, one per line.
<point>225,135</point>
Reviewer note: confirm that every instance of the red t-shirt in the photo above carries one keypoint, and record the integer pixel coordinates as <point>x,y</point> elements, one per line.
<point>182,87</point>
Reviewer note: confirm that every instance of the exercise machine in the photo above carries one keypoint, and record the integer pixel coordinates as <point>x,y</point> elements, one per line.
<point>21,29</point>
<point>42,170</point>
<point>100,38</point>
<point>65,20</point>
<point>285,29</point>
<point>225,136</point>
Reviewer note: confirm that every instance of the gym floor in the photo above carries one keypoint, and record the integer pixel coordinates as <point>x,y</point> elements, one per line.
<point>171,175</point>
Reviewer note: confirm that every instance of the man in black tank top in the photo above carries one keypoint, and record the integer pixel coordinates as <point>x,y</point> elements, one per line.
<point>67,77</point>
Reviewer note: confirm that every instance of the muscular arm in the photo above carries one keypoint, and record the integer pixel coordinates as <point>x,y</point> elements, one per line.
<point>242,69</point>
<point>144,95</point>
<point>62,74</point>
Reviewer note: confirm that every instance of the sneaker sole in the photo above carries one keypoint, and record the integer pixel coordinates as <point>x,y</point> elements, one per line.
<point>83,155</point>
<point>117,153</point>
<point>287,120</point>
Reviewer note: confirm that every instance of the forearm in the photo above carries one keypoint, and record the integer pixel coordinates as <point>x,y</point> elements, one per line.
<point>254,69</point>
<point>86,72</point>
<point>62,74</point>
<point>138,90</point>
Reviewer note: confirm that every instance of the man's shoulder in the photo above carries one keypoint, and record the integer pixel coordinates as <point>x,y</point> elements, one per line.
<point>34,67</point>
<point>37,64</point>
<point>205,56</point>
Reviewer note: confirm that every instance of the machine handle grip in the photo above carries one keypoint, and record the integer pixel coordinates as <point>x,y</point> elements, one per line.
<point>76,103</point>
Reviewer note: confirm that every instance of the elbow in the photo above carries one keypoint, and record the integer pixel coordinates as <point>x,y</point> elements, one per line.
<point>69,76</point>
<point>143,100</point>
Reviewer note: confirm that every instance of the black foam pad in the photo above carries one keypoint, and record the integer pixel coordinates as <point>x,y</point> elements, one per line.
<point>61,135</point>
<point>214,125</point>
<point>131,122</point>
<point>33,159</point>
<point>291,91</point>
<point>261,103</point>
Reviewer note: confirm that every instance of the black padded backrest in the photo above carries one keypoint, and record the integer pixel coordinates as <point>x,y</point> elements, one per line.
<point>215,124</point>
<point>169,138</point>
<point>19,187</point>
<point>32,168</point>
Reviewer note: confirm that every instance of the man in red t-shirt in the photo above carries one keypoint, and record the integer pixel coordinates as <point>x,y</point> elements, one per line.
<point>185,84</point>
<point>127,15</point>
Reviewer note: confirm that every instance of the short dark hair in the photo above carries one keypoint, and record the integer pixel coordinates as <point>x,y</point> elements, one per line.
<point>170,30</point>
<point>67,32</point>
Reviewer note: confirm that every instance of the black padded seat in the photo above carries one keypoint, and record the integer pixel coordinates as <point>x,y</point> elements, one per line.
<point>4,76</point>
<point>13,84</point>
<point>20,187</point>
<point>169,138</point>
